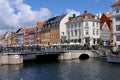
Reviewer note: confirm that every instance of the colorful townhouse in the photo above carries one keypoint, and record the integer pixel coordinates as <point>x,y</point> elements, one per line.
<point>2,40</point>
<point>20,36</point>
<point>54,30</point>
<point>38,32</point>
<point>116,23</point>
<point>9,39</point>
<point>83,27</point>
<point>31,36</point>
<point>106,28</point>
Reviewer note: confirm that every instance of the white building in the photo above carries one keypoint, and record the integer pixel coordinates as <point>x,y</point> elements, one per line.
<point>83,26</point>
<point>116,23</point>
<point>106,28</point>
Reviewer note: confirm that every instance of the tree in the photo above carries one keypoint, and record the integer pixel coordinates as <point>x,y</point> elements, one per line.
<point>67,41</point>
<point>74,15</point>
<point>100,41</point>
<point>70,18</point>
<point>87,40</point>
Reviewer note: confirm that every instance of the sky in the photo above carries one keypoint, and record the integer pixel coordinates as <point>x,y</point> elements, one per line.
<point>15,14</point>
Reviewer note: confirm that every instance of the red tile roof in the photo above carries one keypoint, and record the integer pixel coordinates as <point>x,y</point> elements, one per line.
<point>82,17</point>
<point>108,15</point>
<point>106,18</point>
<point>116,3</point>
<point>40,24</point>
<point>89,15</point>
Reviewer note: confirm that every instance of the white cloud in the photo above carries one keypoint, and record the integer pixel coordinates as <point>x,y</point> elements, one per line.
<point>71,12</point>
<point>15,13</point>
<point>96,0</point>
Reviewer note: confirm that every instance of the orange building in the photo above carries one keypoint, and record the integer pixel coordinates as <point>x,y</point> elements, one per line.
<point>38,32</point>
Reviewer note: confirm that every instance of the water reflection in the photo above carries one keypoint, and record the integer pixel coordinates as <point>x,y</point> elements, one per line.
<point>10,72</point>
<point>91,69</point>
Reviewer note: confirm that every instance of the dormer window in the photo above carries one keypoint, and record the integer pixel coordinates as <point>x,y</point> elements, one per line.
<point>117,10</point>
<point>86,17</point>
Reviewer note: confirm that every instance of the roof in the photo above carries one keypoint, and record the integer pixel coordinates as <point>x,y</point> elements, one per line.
<point>116,3</point>
<point>53,20</point>
<point>40,24</point>
<point>84,16</point>
<point>18,30</point>
<point>88,15</point>
<point>59,18</point>
<point>22,30</point>
<point>106,17</point>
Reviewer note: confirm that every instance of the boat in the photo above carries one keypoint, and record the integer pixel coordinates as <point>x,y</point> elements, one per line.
<point>113,57</point>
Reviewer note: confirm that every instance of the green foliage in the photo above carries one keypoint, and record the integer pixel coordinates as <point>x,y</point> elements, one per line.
<point>74,15</point>
<point>87,39</point>
<point>67,41</point>
<point>70,18</point>
<point>100,41</point>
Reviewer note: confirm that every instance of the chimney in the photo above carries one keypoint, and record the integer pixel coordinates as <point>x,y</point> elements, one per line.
<point>85,11</point>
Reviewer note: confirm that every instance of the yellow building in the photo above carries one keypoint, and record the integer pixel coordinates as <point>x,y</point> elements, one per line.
<point>53,29</point>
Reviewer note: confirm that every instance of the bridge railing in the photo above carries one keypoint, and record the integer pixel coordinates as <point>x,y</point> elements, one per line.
<point>50,48</point>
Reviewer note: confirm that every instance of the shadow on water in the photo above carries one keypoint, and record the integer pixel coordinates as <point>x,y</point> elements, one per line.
<point>42,59</point>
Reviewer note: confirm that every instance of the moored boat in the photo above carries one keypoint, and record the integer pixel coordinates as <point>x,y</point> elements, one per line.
<point>113,57</point>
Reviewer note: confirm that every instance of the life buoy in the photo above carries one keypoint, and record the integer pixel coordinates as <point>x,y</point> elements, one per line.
<point>16,56</point>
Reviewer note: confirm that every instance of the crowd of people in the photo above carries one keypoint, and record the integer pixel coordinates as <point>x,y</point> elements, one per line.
<point>42,48</point>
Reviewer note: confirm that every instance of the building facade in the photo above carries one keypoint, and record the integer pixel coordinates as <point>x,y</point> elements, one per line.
<point>82,27</point>
<point>20,36</point>
<point>54,30</point>
<point>38,32</point>
<point>106,32</point>
<point>116,23</point>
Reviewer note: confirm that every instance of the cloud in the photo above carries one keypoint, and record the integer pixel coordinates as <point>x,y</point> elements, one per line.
<point>96,0</point>
<point>15,13</point>
<point>71,12</point>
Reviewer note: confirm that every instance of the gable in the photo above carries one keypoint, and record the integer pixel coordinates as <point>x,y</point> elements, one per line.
<point>105,26</point>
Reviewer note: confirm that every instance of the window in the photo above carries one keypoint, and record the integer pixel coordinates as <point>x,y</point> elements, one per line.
<point>93,24</point>
<point>86,24</point>
<point>97,24</point>
<point>86,17</point>
<point>117,10</point>
<point>117,18</point>
<point>118,38</point>
<point>87,32</point>
<point>79,24</point>
<point>75,25</point>
<point>71,33</point>
<point>71,26</point>
<point>93,32</point>
<point>79,32</point>
<point>79,40</point>
<point>117,27</point>
<point>75,32</point>
<point>97,32</point>
<point>68,34</point>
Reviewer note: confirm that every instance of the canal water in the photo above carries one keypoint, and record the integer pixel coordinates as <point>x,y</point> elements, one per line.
<point>91,69</point>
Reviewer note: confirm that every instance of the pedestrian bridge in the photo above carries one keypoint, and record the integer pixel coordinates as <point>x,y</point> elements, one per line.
<point>64,54</point>
<point>18,58</point>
